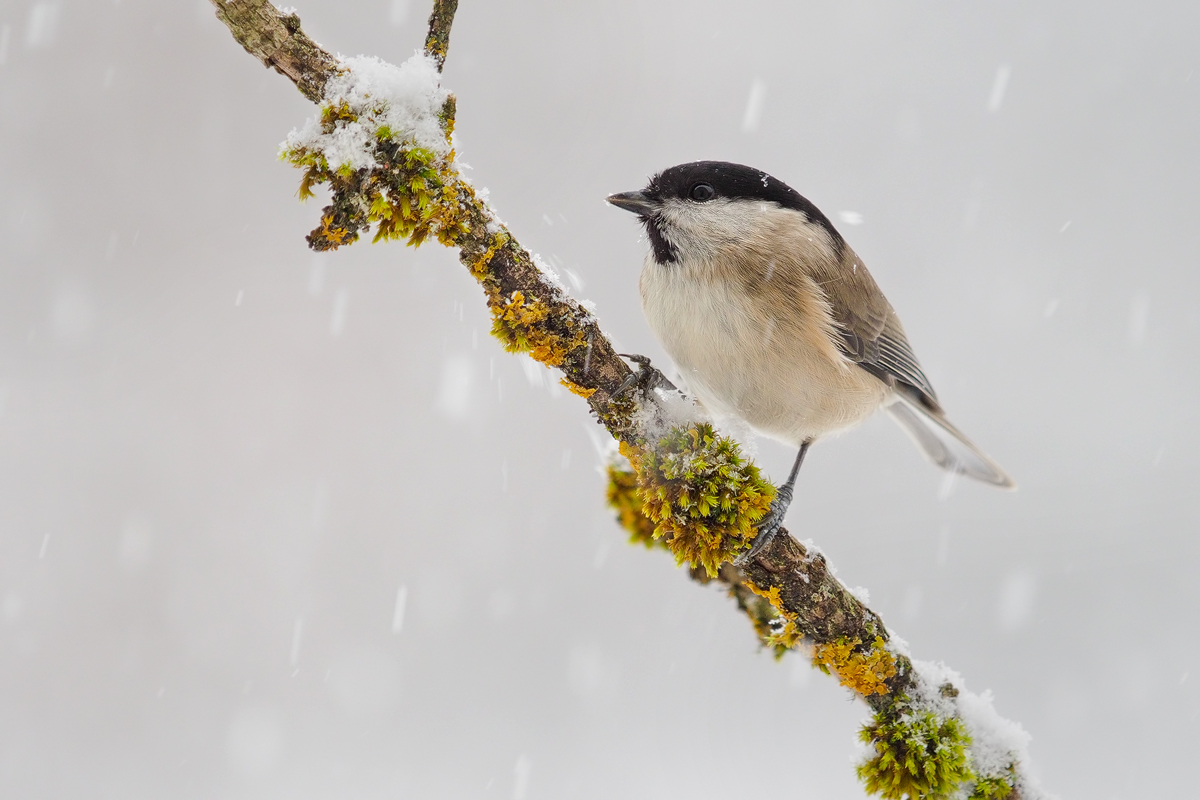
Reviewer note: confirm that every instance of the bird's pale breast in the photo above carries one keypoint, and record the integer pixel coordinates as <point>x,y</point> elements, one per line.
<point>766,357</point>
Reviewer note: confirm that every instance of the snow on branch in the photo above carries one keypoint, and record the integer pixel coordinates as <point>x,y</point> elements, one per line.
<point>383,141</point>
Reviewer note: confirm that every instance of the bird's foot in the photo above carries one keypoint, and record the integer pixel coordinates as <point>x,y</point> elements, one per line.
<point>646,377</point>
<point>769,527</point>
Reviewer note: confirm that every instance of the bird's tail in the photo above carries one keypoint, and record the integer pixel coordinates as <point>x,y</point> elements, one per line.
<point>943,444</point>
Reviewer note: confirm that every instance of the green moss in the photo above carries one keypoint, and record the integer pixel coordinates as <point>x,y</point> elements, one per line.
<point>994,787</point>
<point>775,631</point>
<point>918,756</point>
<point>623,497</point>
<point>331,115</point>
<point>411,193</point>
<point>704,498</point>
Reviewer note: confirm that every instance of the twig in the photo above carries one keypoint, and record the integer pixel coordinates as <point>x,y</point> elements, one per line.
<point>440,20</point>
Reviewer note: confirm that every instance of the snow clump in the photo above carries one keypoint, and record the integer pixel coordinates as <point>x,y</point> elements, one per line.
<point>405,100</point>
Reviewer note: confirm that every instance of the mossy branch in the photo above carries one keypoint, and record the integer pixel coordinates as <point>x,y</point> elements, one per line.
<point>688,489</point>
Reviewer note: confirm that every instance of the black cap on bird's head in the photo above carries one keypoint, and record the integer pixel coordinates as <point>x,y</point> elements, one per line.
<point>704,181</point>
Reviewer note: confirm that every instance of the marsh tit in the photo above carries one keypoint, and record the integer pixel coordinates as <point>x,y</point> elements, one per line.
<point>772,318</point>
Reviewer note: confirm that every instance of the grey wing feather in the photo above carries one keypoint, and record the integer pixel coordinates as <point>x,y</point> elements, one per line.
<point>872,335</point>
<point>896,356</point>
<point>873,338</point>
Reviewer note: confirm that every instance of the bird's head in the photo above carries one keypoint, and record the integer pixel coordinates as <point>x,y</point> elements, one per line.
<point>693,210</point>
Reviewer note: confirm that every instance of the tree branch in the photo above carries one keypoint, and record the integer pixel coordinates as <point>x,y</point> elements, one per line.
<point>275,39</point>
<point>688,488</point>
<point>437,42</point>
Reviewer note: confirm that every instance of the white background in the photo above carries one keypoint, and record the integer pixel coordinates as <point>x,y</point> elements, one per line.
<point>208,508</point>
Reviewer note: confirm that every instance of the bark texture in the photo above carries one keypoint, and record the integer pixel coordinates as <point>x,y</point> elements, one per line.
<point>275,39</point>
<point>440,20</point>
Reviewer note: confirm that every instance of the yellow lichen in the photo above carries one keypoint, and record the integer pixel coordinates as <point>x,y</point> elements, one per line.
<point>777,631</point>
<point>331,232</point>
<point>521,326</point>
<point>556,348</point>
<point>772,596</point>
<point>782,635</point>
<point>513,321</point>
<point>480,266</point>
<point>575,388</point>
<point>866,673</point>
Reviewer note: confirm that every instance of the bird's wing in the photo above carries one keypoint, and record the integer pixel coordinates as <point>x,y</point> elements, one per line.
<point>871,333</point>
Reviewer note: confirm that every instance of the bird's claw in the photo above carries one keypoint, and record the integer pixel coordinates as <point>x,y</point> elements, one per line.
<point>768,528</point>
<point>645,377</point>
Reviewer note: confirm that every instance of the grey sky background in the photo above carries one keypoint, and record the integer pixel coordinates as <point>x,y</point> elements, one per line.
<point>280,525</point>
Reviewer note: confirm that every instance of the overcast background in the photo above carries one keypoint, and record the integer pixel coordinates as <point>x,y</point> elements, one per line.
<point>280,525</point>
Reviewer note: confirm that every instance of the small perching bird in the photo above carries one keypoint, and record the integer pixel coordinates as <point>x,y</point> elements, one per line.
<point>772,318</point>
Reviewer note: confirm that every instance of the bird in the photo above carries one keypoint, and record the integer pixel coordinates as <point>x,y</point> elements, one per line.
<point>770,317</point>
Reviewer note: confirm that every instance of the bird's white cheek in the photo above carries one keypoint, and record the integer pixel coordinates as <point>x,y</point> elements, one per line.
<point>699,231</point>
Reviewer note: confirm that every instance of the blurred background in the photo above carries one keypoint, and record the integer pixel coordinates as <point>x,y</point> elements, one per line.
<point>281,525</point>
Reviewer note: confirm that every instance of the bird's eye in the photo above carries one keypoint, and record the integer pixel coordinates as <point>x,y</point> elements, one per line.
<point>702,192</point>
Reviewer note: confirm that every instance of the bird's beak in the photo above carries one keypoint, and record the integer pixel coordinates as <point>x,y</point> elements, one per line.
<point>637,202</point>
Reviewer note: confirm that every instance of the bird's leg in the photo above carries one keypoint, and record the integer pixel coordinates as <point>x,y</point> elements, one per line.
<point>773,521</point>
<point>645,377</point>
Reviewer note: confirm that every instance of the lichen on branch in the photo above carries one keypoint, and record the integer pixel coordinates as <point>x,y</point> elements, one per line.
<point>863,670</point>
